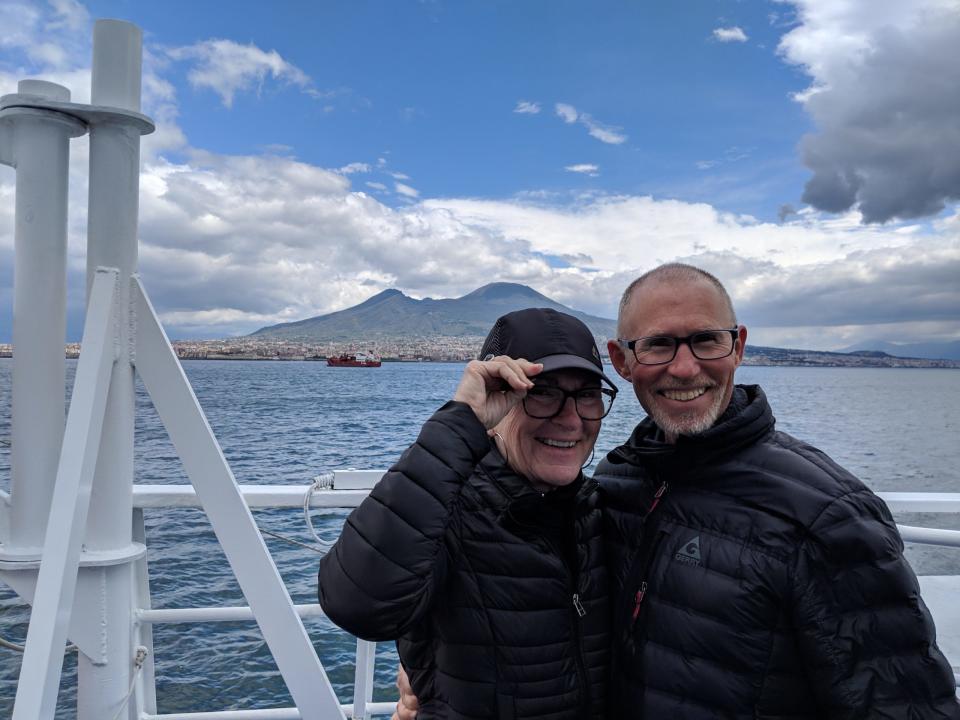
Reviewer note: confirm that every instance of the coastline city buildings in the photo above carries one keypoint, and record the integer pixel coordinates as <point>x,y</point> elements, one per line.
<point>464,349</point>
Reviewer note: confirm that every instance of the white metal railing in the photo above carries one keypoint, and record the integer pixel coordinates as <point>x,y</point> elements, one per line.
<point>925,503</point>
<point>349,488</point>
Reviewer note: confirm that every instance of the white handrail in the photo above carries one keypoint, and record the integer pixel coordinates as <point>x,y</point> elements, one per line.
<point>359,483</point>
<point>930,536</point>
<point>213,614</point>
<point>381,708</point>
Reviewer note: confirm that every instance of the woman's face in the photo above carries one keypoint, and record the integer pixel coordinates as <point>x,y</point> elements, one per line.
<point>550,452</point>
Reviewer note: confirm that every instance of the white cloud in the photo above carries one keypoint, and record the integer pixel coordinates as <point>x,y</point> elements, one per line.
<point>376,185</point>
<point>406,190</point>
<point>584,168</point>
<point>356,167</point>
<point>775,272</point>
<point>399,176</point>
<point>730,34</point>
<point>69,14</point>
<point>50,41</point>
<point>730,155</point>
<point>527,108</point>
<point>567,113</point>
<point>604,133</point>
<point>227,67</point>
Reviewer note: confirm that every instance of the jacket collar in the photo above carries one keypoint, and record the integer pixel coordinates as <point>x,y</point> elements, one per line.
<point>747,419</point>
<point>512,497</point>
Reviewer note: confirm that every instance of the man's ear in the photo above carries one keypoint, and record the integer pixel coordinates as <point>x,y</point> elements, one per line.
<point>741,343</point>
<point>618,358</point>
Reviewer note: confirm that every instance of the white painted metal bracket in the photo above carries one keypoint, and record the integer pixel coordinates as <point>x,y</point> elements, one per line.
<point>57,579</point>
<point>162,375</point>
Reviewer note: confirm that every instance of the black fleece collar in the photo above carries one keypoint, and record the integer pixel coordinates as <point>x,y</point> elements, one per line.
<point>511,495</point>
<point>747,418</point>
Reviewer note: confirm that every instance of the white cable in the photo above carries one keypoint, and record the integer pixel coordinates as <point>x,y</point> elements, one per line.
<point>138,664</point>
<point>20,648</point>
<point>320,482</point>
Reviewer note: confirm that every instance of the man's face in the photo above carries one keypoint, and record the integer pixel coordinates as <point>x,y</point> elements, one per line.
<point>686,395</point>
<point>549,452</point>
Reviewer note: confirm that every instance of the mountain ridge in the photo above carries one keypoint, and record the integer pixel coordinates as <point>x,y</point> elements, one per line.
<point>391,313</point>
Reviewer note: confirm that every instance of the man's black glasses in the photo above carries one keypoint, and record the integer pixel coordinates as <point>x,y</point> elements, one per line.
<point>705,345</point>
<point>546,401</point>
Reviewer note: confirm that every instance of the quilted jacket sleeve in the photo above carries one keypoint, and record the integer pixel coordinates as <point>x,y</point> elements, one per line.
<point>384,571</point>
<point>865,636</point>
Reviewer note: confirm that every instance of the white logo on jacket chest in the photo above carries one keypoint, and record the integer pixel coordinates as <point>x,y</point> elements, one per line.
<point>690,552</point>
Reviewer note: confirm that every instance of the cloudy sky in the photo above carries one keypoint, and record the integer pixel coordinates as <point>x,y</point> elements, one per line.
<point>310,155</point>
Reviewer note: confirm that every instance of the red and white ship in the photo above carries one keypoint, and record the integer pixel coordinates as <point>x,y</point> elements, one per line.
<point>360,359</point>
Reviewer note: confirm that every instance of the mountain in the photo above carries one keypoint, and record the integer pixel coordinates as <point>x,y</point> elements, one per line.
<point>929,350</point>
<point>392,314</point>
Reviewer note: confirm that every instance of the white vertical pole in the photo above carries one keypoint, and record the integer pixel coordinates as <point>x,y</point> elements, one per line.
<point>112,242</point>
<point>146,698</point>
<point>363,678</point>
<point>40,148</point>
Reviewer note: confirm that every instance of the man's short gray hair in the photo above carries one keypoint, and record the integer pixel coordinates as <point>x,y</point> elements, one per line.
<point>673,272</point>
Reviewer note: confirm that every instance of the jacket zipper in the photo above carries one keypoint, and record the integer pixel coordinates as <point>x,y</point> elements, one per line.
<point>644,584</point>
<point>577,611</point>
<point>577,606</point>
<point>637,600</point>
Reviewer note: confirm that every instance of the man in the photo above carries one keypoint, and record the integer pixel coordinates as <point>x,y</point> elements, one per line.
<point>753,577</point>
<point>769,582</point>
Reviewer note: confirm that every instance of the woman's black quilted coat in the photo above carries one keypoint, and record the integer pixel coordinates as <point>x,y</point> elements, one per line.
<point>497,593</point>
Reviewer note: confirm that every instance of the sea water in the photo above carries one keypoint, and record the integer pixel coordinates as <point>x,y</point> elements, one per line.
<point>284,422</point>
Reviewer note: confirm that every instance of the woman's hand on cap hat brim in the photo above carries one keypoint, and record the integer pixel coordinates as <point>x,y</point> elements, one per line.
<point>493,387</point>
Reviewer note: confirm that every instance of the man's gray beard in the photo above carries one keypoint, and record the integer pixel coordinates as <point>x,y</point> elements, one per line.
<point>691,424</point>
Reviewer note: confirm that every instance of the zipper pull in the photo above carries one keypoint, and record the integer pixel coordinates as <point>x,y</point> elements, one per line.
<point>637,600</point>
<point>659,494</point>
<point>578,606</point>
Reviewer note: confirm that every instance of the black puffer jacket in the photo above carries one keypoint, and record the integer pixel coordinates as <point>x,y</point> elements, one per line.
<point>769,583</point>
<point>497,593</point>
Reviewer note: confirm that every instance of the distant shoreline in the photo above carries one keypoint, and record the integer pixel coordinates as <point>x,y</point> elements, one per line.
<point>760,357</point>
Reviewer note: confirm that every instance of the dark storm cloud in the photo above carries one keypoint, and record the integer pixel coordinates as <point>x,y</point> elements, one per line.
<point>889,137</point>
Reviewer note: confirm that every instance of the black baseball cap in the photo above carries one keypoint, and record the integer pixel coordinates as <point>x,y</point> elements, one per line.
<point>543,335</point>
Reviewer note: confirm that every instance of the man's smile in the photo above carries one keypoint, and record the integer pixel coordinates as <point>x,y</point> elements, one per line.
<point>684,394</point>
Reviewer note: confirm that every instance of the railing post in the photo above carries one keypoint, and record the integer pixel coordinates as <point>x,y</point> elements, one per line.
<point>363,678</point>
<point>147,694</point>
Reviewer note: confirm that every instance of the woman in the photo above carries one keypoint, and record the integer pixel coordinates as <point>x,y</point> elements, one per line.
<point>480,550</point>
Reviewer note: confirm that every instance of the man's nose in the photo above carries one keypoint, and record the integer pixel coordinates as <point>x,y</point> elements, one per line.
<point>685,364</point>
